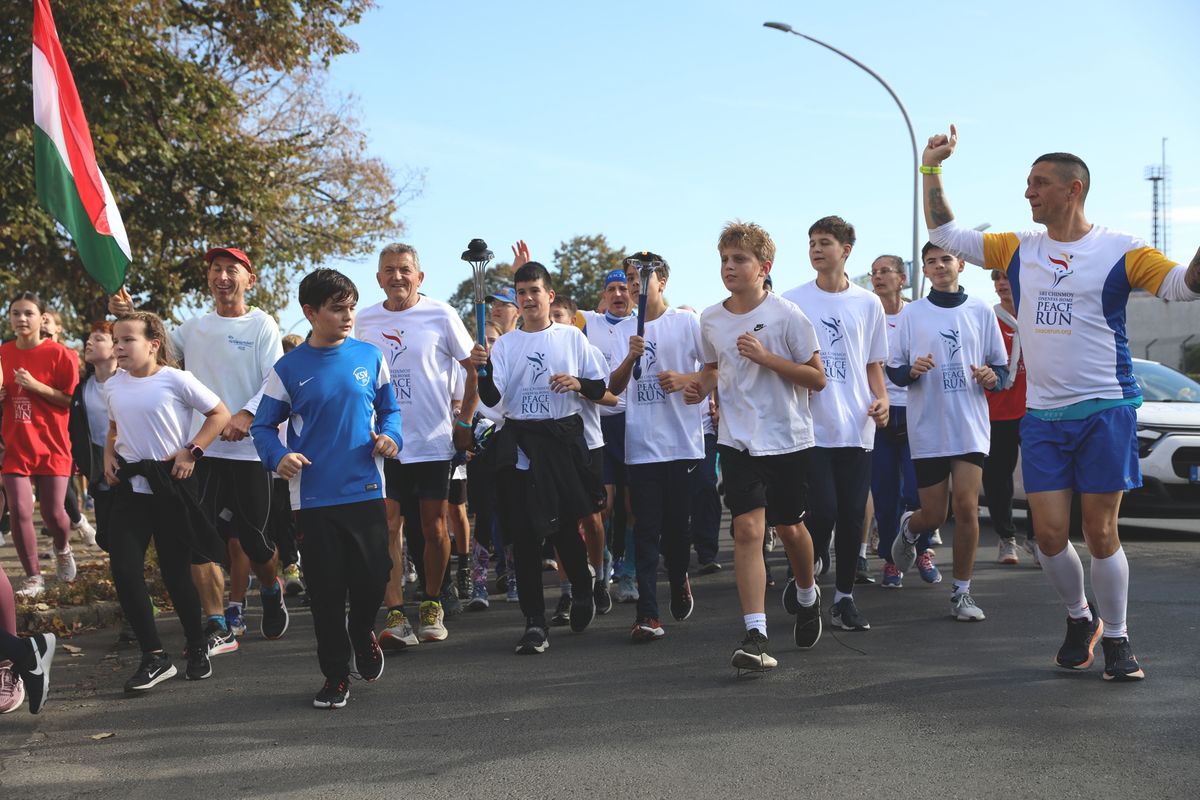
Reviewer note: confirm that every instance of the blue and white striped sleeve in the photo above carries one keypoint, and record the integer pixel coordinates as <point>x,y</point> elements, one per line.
<point>274,407</point>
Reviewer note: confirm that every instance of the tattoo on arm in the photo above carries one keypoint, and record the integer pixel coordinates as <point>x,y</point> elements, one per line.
<point>939,212</point>
<point>1192,276</point>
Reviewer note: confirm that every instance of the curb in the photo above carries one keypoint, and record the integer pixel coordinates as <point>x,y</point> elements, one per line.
<point>97,615</point>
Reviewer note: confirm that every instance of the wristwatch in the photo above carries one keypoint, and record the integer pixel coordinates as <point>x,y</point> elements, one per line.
<point>196,450</point>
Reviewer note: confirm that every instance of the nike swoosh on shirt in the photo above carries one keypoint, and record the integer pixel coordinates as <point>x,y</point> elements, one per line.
<point>306,380</point>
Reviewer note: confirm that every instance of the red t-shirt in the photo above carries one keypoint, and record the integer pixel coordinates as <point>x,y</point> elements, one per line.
<point>1009,404</point>
<point>34,429</point>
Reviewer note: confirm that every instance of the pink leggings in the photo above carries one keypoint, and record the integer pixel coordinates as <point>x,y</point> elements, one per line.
<point>8,605</point>
<point>52,492</point>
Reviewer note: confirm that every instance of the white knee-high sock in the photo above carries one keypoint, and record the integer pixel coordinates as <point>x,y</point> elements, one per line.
<point>1065,572</point>
<point>1110,582</point>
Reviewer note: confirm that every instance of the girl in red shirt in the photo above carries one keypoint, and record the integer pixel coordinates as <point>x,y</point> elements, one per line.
<point>39,376</point>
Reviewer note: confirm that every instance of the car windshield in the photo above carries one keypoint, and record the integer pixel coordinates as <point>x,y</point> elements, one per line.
<point>1164,385</point>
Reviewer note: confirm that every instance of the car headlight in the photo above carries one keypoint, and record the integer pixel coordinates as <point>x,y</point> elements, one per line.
<point>1146,439</point>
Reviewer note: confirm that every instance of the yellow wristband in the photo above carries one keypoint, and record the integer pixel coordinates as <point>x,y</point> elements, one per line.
<point>925,169</point>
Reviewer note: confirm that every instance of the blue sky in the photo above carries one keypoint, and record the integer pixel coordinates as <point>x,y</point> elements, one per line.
<point>655,123</point>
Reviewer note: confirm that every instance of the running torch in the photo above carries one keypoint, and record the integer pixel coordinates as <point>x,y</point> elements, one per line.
<point>646,263</point>
<point>478,256</point>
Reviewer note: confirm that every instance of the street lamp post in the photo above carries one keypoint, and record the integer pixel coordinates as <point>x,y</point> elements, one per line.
<point>783,26</point>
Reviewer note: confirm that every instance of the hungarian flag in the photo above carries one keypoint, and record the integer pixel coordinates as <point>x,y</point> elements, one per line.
<point>69,184</point>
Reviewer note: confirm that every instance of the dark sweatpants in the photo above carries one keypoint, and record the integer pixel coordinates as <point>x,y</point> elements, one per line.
<point>998,470</point>
<point>527,547</point>
<point>133,523</point>
<point>659,495</point>
<point>706,504</point>
<point>838,481</point>
<point>345,552</point>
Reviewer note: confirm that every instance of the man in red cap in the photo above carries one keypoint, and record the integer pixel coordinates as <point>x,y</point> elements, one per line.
<point>231,350</point>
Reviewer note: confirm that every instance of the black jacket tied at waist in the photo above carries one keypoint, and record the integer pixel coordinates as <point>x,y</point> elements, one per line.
<point>558,469</point>
<point>177,506</point>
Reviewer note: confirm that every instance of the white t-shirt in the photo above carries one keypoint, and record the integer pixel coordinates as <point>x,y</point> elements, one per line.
<point>154,414</point>
<point>524,362</point>
<point>593,434</point>
<point>660,426</point>
<point>421,346</point>
<point>97,410</point>
<point>947,409</point>
<point>897,395</point>
<point>232,356</point>
<point>851,329</point>
<point>604,336</point>
<point>760,411</point>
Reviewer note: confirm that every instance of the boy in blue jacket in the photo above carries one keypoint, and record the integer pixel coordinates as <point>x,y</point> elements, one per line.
<point>342,421</point>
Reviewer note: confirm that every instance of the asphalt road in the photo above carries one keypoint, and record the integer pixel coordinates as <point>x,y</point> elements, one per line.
<point>919,706</point>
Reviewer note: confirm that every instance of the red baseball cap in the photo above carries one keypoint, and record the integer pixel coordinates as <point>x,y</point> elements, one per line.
<point>232,252</point>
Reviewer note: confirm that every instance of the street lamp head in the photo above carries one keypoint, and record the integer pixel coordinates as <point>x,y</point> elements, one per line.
<point>779,26</point>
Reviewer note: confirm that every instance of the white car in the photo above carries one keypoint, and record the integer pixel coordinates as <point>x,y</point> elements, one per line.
<point>1168,446</point>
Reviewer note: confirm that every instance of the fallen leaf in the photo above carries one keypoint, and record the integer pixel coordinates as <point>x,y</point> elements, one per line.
<point>72,649</point>
<point>103,735</point>
<point>42,607</point>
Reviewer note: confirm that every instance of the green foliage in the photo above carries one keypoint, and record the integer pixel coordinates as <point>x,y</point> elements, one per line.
<point>212,125</point>
<point>580,266</point>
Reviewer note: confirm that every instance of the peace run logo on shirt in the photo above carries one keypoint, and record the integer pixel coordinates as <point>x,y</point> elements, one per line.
<point>401,377</point>
<point>836,361</point>
<point>535,398</point>
<point>22,409</point>
<point>954,375</point>
<point>649,390</point>
<point>1054,307</point>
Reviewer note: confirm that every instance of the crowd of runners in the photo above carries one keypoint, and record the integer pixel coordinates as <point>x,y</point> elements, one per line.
<point>348,464</point>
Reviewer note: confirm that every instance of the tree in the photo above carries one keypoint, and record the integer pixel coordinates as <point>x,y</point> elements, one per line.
<point>213,126</point>
<point>495,278</point>
<point>580,265</point>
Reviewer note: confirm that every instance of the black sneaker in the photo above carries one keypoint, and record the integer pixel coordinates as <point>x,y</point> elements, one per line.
<point>502,583</point>
<point>682,602</point>
<point>808,622</point>
<point>451,605</point>
<point>752,654</point>
<point>601,596</point>
<point>368,658</point>
<point>562,612</point>
<point>466,588</point>
<point>862,573</point>
<point>709,568</point>
<point>534,641</point>
<point>275,613</point>
<point>126,634</point>
<point>1077,648</point>
<point>846,616</point>
<point>198,666</point>
<point>154,669</point>
<point>37,680</point>
<point>333,694</point>
<point>583,611</point>
<point>790,603</point>
<point>219,640</point>
<point>1120,664</point>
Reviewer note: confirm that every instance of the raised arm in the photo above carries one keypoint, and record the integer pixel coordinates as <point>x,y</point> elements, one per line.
<point>939,148</point>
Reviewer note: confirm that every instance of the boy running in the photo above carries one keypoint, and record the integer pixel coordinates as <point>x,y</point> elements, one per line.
<point>336,395</point>
<point>664,441</point>
<point>948,351</point>
<point>543,373</point>
<point>850,326</point>
<point>761,352</point>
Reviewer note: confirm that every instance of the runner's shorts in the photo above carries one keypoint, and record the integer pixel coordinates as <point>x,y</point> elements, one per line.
<point>778,483</point>
<point>237,496</point>
<point>1096,455</point>
<point>430,480</point>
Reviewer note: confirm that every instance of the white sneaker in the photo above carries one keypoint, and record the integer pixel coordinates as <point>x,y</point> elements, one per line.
<point>936,536</point>
<point>86,531</point>
<point>64,564</point>
<point>1031,547</point>
<point>963,608</point>
<point>1007,552</point>
<point>32,586</point>
<point>397,632</point>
